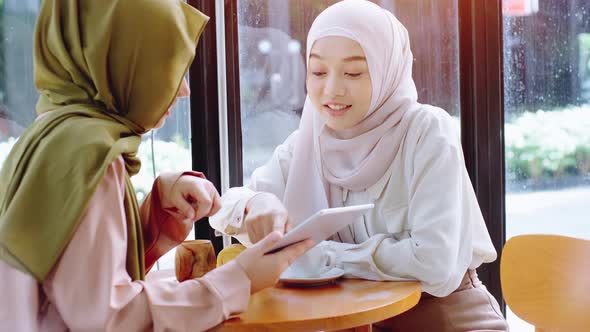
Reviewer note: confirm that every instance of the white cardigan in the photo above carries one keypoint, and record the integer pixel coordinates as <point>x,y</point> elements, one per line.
<point>426,224</point>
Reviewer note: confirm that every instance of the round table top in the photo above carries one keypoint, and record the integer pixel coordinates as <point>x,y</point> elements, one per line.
<point>345,304</point>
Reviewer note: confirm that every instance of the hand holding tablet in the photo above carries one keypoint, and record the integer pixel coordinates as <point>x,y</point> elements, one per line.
<point>322,225</point>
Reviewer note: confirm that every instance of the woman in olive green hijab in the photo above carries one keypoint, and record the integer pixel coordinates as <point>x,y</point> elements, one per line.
<point>74,244</point>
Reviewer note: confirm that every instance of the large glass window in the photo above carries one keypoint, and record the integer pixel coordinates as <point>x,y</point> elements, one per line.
<point>17,92</point>
<point>547,119</point>
<point>272,35</point>
<point>167,149</point>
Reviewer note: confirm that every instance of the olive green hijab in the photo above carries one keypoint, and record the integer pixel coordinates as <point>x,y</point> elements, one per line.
<point>107,71</point>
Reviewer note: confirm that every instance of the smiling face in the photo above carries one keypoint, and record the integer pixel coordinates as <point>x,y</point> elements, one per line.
<point>338,81</point>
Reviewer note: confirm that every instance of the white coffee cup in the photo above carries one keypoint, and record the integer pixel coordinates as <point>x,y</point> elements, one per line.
<point>313,264</point>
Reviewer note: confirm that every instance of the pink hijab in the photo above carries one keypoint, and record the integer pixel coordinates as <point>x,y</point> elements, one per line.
<point>325,165</point>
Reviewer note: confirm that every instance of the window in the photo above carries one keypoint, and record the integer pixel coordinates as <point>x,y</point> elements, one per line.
<point>17,92</point>
<point>547,119</point>
<point>271,55</point>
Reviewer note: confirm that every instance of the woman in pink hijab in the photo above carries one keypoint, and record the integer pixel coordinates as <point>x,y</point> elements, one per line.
<point>364,138</point>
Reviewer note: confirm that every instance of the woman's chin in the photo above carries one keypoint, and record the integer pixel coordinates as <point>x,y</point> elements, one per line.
<point>160,124</point>
<point>162,121</point>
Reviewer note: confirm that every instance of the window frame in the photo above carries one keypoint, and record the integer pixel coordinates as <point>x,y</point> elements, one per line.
<point>482,120</point>
<point>204,106</point>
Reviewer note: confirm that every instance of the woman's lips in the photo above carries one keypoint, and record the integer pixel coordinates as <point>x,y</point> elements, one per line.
<point>336,109</point>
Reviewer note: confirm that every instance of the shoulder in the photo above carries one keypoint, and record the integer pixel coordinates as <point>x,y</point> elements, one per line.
<point>431,125</point>
<point>78,136</point>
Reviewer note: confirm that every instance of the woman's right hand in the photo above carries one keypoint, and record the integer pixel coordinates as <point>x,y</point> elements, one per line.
<point>263,269</point>
<point>264,214</point>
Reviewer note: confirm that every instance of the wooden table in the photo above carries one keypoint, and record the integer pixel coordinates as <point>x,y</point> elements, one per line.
<point>344,305</point>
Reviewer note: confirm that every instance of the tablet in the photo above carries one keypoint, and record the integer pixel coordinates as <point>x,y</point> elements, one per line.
<point>322,225</point>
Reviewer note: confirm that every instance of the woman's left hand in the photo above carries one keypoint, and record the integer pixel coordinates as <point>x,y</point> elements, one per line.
<point>188,197</point>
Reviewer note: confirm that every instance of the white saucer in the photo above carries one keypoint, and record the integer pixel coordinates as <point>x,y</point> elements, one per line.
<point>327,278</point>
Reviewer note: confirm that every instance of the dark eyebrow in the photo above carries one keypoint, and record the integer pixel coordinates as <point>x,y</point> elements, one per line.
<point>349,59</point>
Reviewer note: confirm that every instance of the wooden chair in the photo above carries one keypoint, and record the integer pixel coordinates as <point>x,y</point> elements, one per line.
<point>546,281</point>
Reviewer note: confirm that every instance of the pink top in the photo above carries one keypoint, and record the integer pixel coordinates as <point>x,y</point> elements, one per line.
<point>89,288</point>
